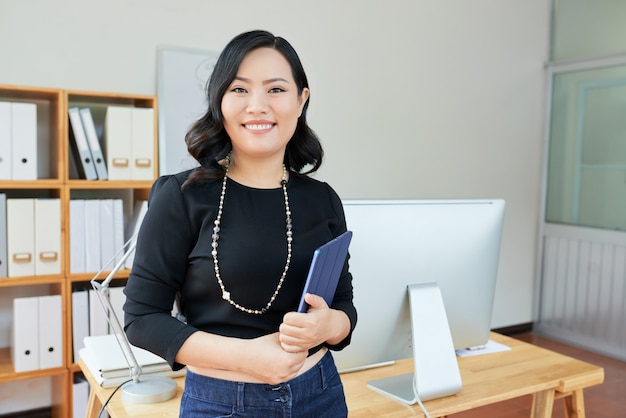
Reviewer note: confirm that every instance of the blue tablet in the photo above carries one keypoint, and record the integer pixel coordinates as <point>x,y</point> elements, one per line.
<point>325,269</point>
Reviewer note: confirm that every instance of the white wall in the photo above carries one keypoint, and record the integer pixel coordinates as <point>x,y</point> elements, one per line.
<point>412,99</point>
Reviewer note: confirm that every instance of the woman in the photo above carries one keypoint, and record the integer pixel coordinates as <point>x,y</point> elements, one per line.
<point>233,240</point>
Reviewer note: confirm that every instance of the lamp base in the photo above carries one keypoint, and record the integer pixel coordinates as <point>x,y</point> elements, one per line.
<point>150,389</point>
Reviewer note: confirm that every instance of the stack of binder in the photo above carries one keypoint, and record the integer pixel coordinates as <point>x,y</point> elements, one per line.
<point>127,141</point>
<point>30,236</point>
<point>37,337</point>
<point>89,318</point>
<point>106,362</point>
<point>4,272</point>
<point>85,145</point>
<point>18,141</point>
<point>96,233</point>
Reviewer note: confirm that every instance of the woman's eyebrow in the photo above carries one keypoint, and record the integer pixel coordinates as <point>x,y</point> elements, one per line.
<point>269,81</point>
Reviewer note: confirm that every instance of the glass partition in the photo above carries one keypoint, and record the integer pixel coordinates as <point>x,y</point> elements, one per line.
<point>586,182</point>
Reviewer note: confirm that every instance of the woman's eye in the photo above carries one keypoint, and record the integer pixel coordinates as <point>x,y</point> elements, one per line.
<point>277,90</point>
<point>238,90</point>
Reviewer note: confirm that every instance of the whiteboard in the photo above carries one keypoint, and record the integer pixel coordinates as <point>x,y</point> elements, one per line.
<point>182,74</point>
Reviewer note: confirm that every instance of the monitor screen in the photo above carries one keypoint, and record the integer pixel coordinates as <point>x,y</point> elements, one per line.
<point>455,243</point>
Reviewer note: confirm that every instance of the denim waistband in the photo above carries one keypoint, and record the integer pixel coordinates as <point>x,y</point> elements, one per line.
<point>243,393</point>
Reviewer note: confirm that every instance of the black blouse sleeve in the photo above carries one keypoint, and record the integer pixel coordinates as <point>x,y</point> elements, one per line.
<point>343,299</point>
<point>163,244</point>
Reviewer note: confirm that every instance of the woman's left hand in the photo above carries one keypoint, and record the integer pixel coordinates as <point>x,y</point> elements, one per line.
<point>302,331</point>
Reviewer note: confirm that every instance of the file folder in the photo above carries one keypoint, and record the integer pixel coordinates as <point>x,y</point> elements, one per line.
<point>25,334</point>
<point>3,236</point>
<point>142,151</point>
<point>47,236</point>
<point>80,395</point>
<point>21,237</point>
<point>6,171</point>
<point>77,236</point>
<point>117,298</point>
<point>107,225</point>
<point>118,229</point>
<point>80,146</point>
<point>94,143</point>
<point>80,320</point>
<point>24,141</point>
<point>50,331</point>
<point>118,142</point>
<point>93,262</point>
<point>141,207</point>
<point>98,324</point>
<point>129,143</point>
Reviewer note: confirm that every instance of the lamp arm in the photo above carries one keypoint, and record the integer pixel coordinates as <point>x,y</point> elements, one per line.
<point>102,289</point>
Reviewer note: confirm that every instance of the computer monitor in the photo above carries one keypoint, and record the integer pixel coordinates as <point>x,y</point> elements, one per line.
<point>455,243</point>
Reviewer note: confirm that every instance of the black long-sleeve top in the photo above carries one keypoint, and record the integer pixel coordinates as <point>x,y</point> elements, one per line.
<point>173,257</point>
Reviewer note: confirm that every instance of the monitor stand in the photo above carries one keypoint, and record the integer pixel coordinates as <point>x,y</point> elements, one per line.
<point>436,371</point>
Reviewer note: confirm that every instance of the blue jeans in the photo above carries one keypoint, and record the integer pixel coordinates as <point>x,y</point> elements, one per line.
<point>316,393</point>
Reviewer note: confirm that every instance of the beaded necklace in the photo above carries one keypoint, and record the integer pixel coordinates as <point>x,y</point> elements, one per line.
<point>215,237</point>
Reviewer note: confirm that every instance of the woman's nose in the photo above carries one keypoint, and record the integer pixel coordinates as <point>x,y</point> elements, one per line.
<point>257,102</point>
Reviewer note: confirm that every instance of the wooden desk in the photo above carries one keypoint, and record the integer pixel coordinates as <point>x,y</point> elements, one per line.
<point>524,370</point>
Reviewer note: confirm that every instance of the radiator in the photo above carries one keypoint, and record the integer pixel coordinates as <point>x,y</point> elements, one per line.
<point>583,288</point>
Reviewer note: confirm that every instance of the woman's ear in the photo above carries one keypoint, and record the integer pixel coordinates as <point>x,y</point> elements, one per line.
<point>304,96</point>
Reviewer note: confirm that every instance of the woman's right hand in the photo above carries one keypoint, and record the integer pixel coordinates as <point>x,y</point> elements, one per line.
<point>261,359</point>
<point>270,363</point>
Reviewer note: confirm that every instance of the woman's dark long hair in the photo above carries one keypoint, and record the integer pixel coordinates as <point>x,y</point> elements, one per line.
<point>207,140</point>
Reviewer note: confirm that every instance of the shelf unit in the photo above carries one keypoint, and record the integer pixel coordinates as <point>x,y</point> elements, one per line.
<point>58,179</point>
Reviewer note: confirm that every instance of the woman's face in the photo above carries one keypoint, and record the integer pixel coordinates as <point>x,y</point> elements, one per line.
<point>261,106</point>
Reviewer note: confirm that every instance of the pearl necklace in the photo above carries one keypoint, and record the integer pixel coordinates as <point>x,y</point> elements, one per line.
<point>215,237</point>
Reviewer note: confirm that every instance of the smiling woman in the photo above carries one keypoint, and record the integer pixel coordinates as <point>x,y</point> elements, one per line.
<point>232,240</point>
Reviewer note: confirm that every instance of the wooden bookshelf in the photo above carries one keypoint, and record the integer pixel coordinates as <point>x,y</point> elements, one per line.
<point>59,181</point>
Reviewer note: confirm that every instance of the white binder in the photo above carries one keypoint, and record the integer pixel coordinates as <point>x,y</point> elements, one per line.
<point>92,235</point>
<point>47,236</point>
<point>21,237</point>
<point>142,151</point>
<point>141,207</point>
<point>24,141</point>
<point>80,395</point>
<point>117,298</point>
<point>118,142</point>
<point>6,171</point>
<point>80,320</point>
<point>25,334</point>
<point>50,332</point>
<point>77,236</point>
<point>3,235</point>
<point>107,224</point>
<point>118,228</point>
<point>98,324</point>
<point>94,143</point>
<point>80,146</point>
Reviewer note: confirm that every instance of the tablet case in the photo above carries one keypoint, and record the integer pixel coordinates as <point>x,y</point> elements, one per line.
<point>325,269</point>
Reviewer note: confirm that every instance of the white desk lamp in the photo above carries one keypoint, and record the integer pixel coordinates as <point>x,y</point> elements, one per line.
<point>142,389</point>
